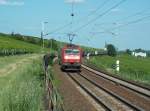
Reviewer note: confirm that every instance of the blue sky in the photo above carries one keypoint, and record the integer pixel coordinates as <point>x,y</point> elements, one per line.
<point>125,26</point>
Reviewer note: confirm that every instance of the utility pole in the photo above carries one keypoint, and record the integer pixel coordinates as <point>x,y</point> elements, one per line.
<point>51,43</point>
<point>41,38</point>
<point>42,32</point>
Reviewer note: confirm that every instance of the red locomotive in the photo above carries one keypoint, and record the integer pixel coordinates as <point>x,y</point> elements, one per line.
<point>70,57</point>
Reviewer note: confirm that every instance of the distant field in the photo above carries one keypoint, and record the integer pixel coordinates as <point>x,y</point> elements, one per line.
<point>133,68</point>
<point>10,46</point>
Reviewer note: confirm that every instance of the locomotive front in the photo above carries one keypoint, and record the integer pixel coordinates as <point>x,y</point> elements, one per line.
<point>71,58</point>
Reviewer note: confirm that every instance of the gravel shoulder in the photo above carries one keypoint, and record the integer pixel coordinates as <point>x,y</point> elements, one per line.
<point>72,98</point>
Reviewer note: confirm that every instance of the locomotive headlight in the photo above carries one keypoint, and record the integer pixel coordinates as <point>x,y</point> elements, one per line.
<point>66,57</point>
<point>77,57</point>
<point>72,57</point>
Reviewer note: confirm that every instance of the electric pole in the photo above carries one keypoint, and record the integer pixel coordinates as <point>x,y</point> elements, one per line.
<point>42,32</point>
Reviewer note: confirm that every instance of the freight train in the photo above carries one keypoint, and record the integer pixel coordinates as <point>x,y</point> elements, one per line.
<point>70,57</point>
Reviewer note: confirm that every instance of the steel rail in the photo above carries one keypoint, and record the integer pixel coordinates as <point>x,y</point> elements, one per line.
<point>125,83</point>
<point>89,93</point>
<point>128,103</point>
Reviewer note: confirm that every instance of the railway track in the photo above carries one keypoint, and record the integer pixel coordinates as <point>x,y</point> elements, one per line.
<point>110,93</point>
<point>103,99</point>
<point>88,91</point>
<point>138,88</point>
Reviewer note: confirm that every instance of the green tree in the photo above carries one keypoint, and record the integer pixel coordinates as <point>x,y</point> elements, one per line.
<point>148,53</point>
<point>128,51</point>
<point>12,33</point>
<point>111,50</point>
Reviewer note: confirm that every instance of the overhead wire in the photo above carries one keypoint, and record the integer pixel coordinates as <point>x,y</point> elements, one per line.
<point>89,22</point>
<point>93,12</point>
<point>99,16</point>
<point>135,21</point>
<point>90,14</point>
<point>135,14</point>
<point>143,12</point>
<point>64,26</point>
<point>59,28</point>
<point>124,25</point>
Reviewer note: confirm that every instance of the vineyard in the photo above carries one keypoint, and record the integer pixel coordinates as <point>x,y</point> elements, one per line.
<point>11,46</point>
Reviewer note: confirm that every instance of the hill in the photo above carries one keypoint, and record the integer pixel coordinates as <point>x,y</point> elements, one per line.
<point>11,46</point>
<point>20,44</point>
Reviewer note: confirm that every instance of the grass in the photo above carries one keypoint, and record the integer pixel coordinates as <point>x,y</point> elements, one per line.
<point>11,46</point>
<point>132,68</point>
<point>4,61</point>
<point>22,90</point>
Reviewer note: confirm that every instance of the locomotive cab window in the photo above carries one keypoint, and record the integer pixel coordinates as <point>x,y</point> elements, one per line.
<point>72,51</point>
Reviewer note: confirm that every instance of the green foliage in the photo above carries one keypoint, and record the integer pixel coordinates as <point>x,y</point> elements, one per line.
<point>128,51</point>
<point>148,53</point>
<point>130,67</point>
<point>111,50</point>
<point>29,39</point>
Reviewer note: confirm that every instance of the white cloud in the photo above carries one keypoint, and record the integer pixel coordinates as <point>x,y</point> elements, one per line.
<point>11,3</point>
<point>74,1</point>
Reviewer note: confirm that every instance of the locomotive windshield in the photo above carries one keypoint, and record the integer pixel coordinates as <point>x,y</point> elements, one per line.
<point>72,51</point>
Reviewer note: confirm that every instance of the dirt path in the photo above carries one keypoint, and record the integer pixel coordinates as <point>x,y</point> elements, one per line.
<point>13,66</point>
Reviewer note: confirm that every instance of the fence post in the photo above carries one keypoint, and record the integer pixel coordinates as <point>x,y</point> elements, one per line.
<point>88,56</point>
<point>117,66</point>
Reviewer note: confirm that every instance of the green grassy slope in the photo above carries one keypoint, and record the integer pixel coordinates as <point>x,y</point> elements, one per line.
<point>9,45</point>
